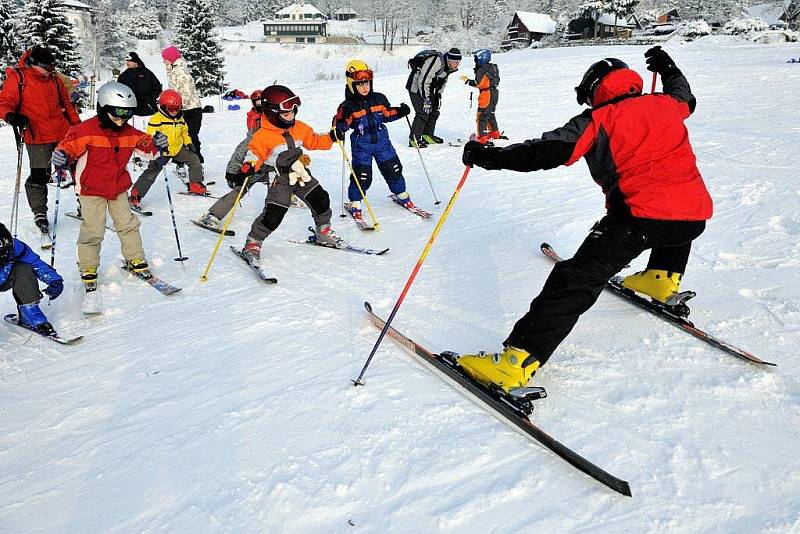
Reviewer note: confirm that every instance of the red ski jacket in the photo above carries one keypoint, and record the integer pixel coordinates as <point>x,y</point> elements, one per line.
<point>102,156</point>
<point>42,98</point>
<point>636,146</point>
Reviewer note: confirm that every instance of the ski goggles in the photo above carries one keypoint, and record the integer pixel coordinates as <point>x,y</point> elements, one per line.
<point>290,104</point>
<point>361,76</point>
<point>121,113</point>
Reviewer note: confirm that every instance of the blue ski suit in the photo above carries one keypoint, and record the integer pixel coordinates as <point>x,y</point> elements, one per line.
<point>367,117</point>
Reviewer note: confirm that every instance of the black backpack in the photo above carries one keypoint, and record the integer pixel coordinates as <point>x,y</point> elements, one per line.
<point>415,63</point>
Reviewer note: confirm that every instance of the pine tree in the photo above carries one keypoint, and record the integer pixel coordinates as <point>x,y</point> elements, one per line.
<point>9,51</point>
<point>112,40</point>
<point>45,24</point>
<point>141,20</point>
<point>195,37</point>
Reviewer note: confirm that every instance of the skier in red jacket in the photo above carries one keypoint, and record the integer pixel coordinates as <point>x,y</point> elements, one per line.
<point>637,149</point>
<point>34,98</point>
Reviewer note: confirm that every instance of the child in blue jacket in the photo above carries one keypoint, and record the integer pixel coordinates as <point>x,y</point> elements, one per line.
<point>366,112</point>
<point>19,269</point>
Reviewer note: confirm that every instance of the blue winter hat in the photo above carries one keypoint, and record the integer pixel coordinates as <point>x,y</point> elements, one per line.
<point>454,54</point>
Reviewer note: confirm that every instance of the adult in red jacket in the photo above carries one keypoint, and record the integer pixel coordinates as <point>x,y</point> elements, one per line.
<point>638,151</point>
<point>34,98</point>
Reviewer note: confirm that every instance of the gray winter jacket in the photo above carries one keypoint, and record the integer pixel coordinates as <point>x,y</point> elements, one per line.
<point>431,78</point>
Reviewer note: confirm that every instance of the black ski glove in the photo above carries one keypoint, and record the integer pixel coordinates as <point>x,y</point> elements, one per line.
<point>403,110</point>
<point>234,179</point>
<point>484,156</point>
<point>17,119</point>
<point>660,62</point>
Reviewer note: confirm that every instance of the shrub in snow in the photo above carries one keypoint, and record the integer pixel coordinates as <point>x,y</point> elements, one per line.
<point>694,28</point>
<point>743,26</point>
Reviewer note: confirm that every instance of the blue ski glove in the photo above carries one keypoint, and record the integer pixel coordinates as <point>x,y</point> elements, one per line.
<point>161,141</point>
<point>59,160</point>
<point>54,289</point>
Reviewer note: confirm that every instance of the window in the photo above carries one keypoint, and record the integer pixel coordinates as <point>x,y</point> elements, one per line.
<point>312,40</point>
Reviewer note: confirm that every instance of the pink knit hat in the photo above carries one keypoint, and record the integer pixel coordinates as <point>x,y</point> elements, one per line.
<point>171,53</point>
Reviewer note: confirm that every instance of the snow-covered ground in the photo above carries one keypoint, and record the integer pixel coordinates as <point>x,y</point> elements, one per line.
<point>229,407</point>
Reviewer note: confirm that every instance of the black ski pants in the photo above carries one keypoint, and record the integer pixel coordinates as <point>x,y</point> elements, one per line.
<point>424,121</point>
<point>194,120</point>
<point>575,284</point>
<point>23,284</point>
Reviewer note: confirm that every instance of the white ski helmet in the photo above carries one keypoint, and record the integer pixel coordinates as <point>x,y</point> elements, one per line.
<point>115,94</point>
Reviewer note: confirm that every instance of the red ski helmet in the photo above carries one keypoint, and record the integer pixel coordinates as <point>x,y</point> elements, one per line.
<point>170,102</point>
<point>277,99</point>
<point>585,91</point>
<point>255,98</point>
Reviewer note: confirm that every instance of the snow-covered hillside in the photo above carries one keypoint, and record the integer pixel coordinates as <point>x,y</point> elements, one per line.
<point>229,407</point>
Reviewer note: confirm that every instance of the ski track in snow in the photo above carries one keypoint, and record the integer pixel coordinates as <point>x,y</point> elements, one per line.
<point>228,407</point>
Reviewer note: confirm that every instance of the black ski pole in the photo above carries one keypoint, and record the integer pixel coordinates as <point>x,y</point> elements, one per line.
<point>424,168</point>
<point>180,257</point>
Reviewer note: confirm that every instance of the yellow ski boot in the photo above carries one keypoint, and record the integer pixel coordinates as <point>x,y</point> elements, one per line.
<point>655,283</point>
<point>503,369</point>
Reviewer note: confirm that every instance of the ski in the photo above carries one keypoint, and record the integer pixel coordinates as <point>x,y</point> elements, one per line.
<point>163,287</point>
<point>11,318</point>
<point>75,215</point>
<point>312,240</point>
<point>663,312</point>
<point>415,210</point>
<point>140,211</point>
<point>190,194</point>
<point>360,222</point>
<point>213,228</point>
<point>503,407</point>
<point>92,304</point>
<point>259,272</point>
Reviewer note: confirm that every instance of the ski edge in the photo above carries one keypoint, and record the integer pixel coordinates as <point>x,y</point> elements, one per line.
<point>683,324</point>
<point>228,233</point>
<point>523,425</point>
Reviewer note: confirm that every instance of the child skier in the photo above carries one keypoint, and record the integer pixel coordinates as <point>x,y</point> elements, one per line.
<point>19,269</point>
<point>235,173</point>
<point>487,78</point>
<point>102,146</point>
<point>254,115</point>
<point>638,150</point>
<point>280,142</point>
<point>170,122</point>
<point>366,112</point>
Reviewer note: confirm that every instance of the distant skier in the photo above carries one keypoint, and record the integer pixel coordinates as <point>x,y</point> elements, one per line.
<point>280,143</point>
<point>143,83</point>
<point>487,78</point>
<point>169,121</point>
<point>638,151</point>
<point>366,113</point>
<point>254,115</point>
<point>180,79</point>
<point>429,72</point>
<point>19,269</point>
<point>102,147</point>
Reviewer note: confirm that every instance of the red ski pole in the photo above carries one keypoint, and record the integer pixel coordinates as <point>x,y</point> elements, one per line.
<point>653,86</point>
<point>357,381</point>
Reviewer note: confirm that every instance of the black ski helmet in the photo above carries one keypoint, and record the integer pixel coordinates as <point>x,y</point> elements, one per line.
<point>6,244</point>
<point>594,75</point>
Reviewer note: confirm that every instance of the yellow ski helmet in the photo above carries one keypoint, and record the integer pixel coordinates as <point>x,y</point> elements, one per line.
<point>357,71</point>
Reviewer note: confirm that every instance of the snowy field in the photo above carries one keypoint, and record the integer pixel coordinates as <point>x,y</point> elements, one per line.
<point>229,408</point>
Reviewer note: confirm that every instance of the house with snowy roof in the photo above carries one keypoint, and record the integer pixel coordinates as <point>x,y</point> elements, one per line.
<point>296,23</point>
<point>525,28</point>
<point>80,16</point>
